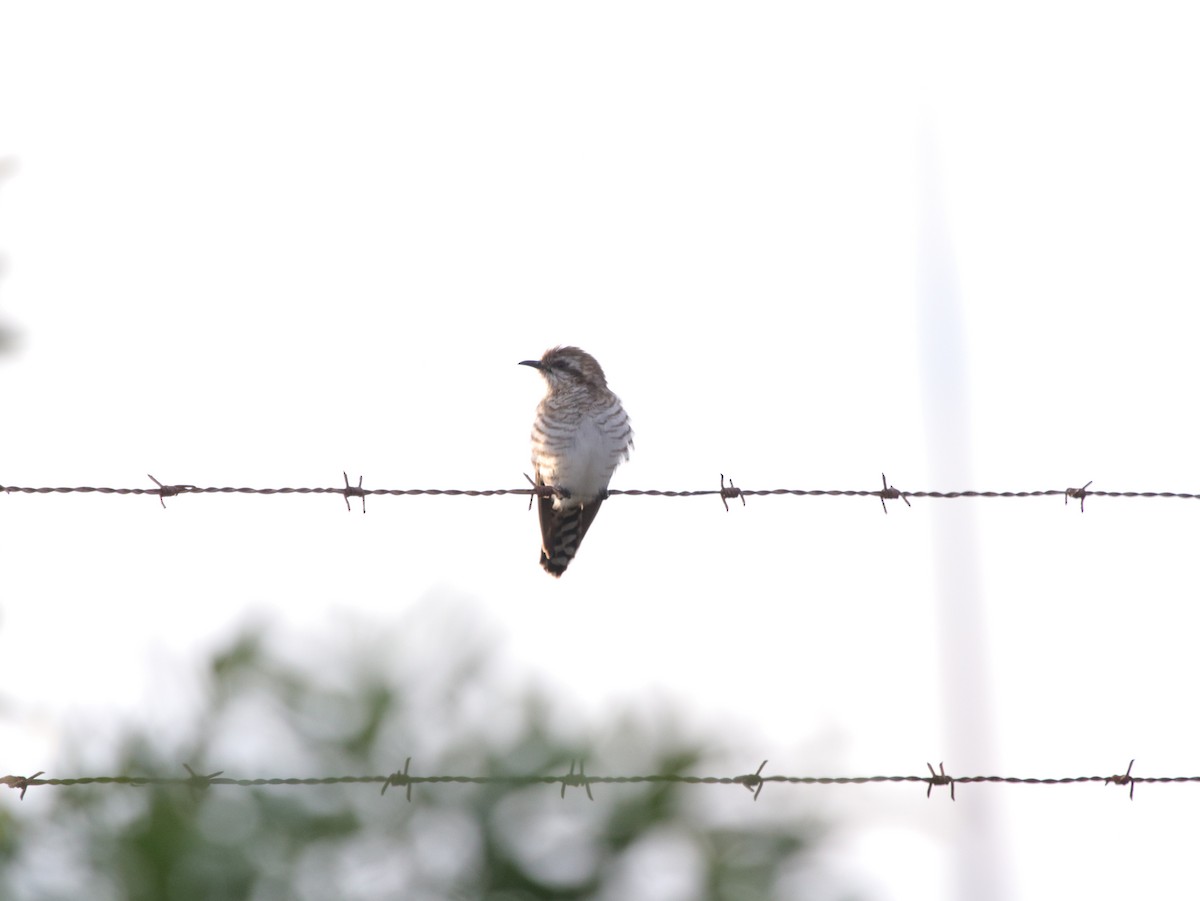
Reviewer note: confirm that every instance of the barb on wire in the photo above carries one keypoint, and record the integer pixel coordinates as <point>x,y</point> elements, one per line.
<point>752,782</point>
<point>22,782</point>
<point>939,777</point>
<point>1079,493</point>
<point>200,782</point>
<point>351,491</point>
<point>890,494</point>
<point>400,778</point>
<point>533,492</point>
<point>575,781</point>
<point>731,492</point>
<point>167,490</point>
<point>1124,779</point>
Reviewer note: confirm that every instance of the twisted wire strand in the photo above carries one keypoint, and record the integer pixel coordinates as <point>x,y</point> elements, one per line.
<point>751,781</point>
<point>727,492</point>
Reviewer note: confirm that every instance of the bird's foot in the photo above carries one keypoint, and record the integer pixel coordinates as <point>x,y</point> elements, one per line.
<point>541,489</point>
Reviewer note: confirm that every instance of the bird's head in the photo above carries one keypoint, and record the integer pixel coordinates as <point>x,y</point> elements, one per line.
<point>565,367</point>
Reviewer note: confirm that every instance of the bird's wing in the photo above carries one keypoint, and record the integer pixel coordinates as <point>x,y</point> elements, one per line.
<point>562,530</point>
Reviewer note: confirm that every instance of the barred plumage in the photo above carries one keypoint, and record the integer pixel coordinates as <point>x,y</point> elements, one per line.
<point>580,435</point>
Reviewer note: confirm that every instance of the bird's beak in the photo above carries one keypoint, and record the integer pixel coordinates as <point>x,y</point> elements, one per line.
<point>536,364</point>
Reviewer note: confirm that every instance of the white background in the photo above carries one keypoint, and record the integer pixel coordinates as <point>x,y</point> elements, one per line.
<point>260,244</point>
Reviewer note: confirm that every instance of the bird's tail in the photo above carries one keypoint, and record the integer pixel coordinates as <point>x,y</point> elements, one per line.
<point>562,531</point>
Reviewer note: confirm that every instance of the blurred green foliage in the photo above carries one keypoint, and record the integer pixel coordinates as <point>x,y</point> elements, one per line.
<point>358,702</point>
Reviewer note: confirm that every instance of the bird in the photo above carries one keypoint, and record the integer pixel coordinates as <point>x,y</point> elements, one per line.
<point>580,435</point>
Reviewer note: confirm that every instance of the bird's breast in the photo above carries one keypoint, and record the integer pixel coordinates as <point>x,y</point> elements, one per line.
<point>580,453</point>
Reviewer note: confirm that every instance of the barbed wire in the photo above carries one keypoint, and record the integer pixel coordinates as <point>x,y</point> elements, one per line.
<point>725,492</point>
<point>753,782</point>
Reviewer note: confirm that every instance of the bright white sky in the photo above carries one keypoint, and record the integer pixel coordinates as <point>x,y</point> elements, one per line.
<point>259,244</point>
